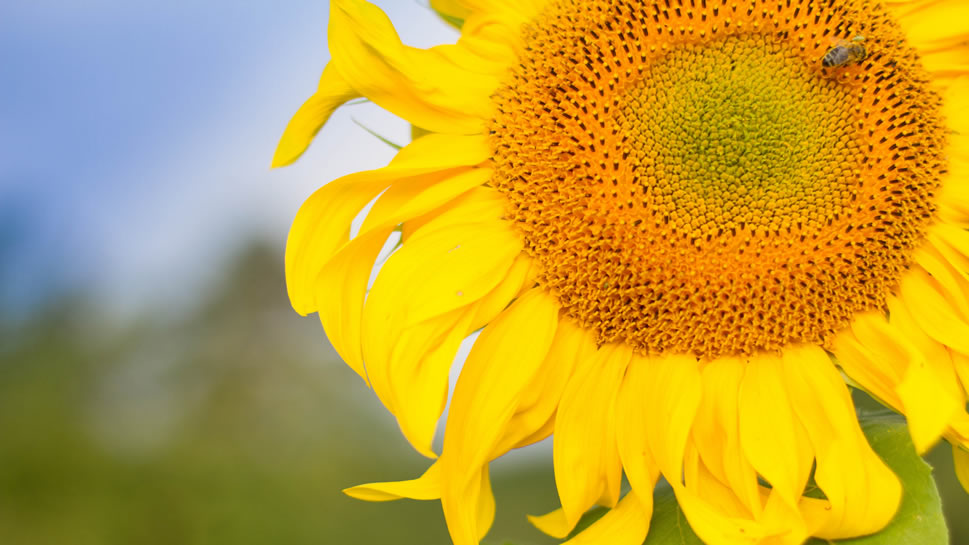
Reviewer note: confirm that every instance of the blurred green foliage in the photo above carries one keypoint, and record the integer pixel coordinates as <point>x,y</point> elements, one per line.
<point>232,422</point>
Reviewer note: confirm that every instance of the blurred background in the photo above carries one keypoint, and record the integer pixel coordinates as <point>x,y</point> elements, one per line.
<point>155,385</point>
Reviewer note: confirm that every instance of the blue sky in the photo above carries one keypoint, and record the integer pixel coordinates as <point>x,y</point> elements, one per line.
<point>135,137</point>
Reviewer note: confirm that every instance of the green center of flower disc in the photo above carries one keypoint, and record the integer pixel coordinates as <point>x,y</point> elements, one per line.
<point>731,134</point>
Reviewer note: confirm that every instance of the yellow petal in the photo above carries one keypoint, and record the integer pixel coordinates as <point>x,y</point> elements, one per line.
<point>869,354</point>
<point>342,283</point>
<point>414,197</point>
<point>443,267</point>
<point>672,397</point>
<point>422,86</point>
<point>954,194</point>
<point>947,63</point>
<point>671,394</point>
<point>493,41</point>
<point>480,195</point>
<point>955,107</point>
<point>480,49</point>
<point>502,362</point>
<point>486,504</point>
<point>712,526</point>
<point>956,239</point>
<point>413,380</point>
<point>953,283</point>
<point>777,523</point>
<point>719,516</point>
<point>426,487</point>
<point>863,492</point>
<point>939,368</point>
<point>716,431</point>
<point>902,8</point>
<point>935,23</point>
<point>927,407</point>
<point>785,525</point>
<point>502,295</point>
<point>626,524</point>
<point>632,420</point>
<point>322,224</point>
<point>771,436</point>
<point>932,311</point>
<point>883,360</point>
<point>518,10</point>
<point>960,363</point>
<point>451,9</point>
<point>410,331</point>
<point>552,523</point>
<point>701,482</point>
<point>854,359</point>
<point>952,243</point>
<point>320,228</point>
<point>936,355</point>
<point>960,455</point>
<point>935,28</point>
<point>312,115</point>
<point>585,455</point>
<point>541,398</point>
<point>500,23</point>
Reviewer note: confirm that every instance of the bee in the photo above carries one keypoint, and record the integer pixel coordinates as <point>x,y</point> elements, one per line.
<point>845,52</point>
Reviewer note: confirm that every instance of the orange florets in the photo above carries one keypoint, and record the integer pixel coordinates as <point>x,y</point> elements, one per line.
<point>693,180</point>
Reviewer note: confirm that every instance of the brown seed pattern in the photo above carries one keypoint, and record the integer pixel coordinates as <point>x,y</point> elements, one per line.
<point>693,180</point>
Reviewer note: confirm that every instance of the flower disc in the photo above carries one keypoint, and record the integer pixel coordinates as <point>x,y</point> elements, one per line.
<point>693,179</point>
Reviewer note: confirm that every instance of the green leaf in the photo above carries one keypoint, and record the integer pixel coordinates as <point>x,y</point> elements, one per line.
<point>417,132</point>
<point>456,22</point>
<point>919,519</point>
<point>374,133</point>
<point>588,519</point>
<point>453,21</point>
<point>669,525</point>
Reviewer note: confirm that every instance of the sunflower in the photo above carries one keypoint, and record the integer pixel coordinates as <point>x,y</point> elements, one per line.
<point>683,229</point>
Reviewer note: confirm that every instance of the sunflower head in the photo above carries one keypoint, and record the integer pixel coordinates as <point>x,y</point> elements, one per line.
<point>704,183</point>
<point>678,226</point>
